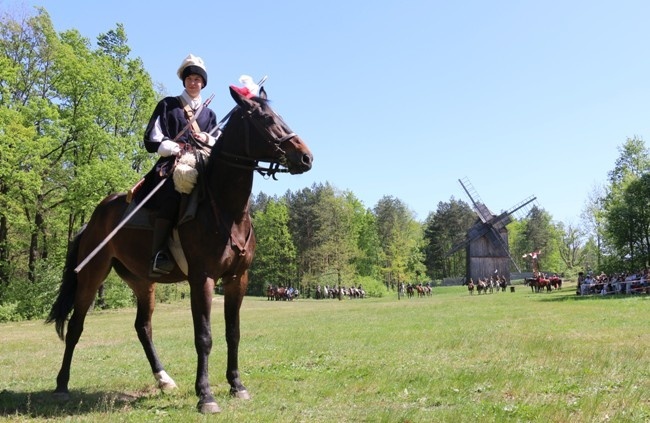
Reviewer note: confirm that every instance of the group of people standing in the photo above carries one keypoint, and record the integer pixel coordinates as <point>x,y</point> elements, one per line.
<point>620,283</point>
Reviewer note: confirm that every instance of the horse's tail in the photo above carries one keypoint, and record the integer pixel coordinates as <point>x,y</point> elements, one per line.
<point>65,300</point>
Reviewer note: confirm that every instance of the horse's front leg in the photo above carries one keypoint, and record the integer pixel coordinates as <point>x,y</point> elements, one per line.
<point>234,290</point>
<point>201,294</point>
<point>145,294</point>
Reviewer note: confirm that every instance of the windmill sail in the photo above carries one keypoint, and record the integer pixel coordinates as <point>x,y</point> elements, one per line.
<point>491,227</point>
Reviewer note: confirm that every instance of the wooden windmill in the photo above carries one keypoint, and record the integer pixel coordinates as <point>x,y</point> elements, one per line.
<point>486,242</point>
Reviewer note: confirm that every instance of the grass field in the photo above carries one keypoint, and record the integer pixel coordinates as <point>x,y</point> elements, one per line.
<point>452,357</point>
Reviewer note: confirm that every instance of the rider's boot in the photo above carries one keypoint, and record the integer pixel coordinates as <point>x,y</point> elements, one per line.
<point>161,262</point>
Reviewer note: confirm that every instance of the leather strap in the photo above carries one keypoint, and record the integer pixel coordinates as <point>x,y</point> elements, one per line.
<point>189,114</point>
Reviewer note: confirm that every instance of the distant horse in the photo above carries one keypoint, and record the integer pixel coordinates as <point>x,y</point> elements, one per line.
<point>481,286</point>
<point>502,283</point>
<point>532,282</point>
<point>470,287</point>
<point>423,290</point>
<point>538,284</point>
<point>410,291</point>
<point>420,290</point>
<point>285,294</point>
<point>270,293</point>
<point>555,282</point>
<point>218,243</point>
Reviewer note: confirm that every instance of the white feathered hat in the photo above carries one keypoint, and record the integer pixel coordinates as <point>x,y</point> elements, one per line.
<point>192,65</point>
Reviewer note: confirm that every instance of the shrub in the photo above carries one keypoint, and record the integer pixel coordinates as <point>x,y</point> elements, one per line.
<point>373,287</point>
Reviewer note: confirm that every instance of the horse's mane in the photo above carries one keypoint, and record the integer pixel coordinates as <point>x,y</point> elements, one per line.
<point>234,115</point>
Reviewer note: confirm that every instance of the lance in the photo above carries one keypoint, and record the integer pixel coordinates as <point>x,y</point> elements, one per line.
<point>225,118</point>
<point>144,201</point>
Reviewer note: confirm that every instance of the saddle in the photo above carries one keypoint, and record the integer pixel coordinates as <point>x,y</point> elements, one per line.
<point>144,219</point>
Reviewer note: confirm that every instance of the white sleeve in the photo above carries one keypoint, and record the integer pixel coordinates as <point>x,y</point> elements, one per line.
<point>156,134</point>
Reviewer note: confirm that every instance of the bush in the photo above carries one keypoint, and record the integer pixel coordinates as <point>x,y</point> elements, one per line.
<point>9,312</point>
<point>172,292</point>
<point>373,287</point>
<point>22,299</point>
<point>117,294</point>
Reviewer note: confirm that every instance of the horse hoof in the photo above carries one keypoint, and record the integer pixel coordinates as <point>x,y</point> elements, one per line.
<point>165,382</point>
<point>167,387</point>
<point>209,408</point>
<point>241,394</point>
<point>61,396</point>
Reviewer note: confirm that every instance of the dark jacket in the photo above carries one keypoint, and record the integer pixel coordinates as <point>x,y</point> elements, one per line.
<point>172,121</point>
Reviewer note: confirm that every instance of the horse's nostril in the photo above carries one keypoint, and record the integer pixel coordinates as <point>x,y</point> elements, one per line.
<point>306,159</point>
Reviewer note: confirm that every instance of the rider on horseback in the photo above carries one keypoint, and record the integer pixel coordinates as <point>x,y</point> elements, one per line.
<point>164,135</point>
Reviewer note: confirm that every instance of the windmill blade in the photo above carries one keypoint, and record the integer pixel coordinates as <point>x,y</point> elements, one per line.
<point>523,203</point>
<point>479,206</point>
<point>501,242</point>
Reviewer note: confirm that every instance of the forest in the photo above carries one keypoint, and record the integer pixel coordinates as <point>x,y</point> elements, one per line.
<point>72,116</point>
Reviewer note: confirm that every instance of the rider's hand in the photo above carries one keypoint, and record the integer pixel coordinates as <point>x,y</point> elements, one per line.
<point>168,148</point>
<point>204,137</point>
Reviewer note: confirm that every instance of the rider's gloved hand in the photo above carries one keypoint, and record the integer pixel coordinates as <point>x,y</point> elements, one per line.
<point>168,147</point>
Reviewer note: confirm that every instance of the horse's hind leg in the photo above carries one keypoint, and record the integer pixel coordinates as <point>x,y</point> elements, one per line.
<point>88,282</point>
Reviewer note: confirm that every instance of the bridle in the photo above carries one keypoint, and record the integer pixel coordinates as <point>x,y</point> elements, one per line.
<point>275,165</point>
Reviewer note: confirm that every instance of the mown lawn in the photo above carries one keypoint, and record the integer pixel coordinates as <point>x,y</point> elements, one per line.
<point>452,357</point>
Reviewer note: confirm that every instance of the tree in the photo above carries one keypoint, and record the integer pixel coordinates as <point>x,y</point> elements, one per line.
<point>628,222</point>
<point>336,238</point>
<point>444,229</point>
<point>401,240</point>
<point>72,113</point>
<point>302,225</point>
<point>537,233</point>
<point>275,255</point>
<point>625,205</point>
<point>570,246</point>
<point>371,255</point>
<point>593,218</point>
<point>633,161</point>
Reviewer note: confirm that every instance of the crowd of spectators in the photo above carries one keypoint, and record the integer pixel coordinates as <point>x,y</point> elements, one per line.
<point>619,283</point>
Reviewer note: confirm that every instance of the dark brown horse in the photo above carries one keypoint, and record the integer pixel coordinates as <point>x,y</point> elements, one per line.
<point>218,243</point>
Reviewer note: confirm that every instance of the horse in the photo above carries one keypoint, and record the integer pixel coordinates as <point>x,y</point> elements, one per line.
<point>503,283</point>
<point>270,293</point>
<point>218,243</point>
<point>470,287</point>
<point>533,283</point>
<point>410,290</point>
<point>555,281</point>
<point>538,284</point>
<point>481,286</point>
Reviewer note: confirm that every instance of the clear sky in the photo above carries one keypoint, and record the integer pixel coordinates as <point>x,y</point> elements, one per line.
<point>403,98</point>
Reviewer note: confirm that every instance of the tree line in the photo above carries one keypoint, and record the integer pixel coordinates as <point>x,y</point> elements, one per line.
<point>72,114</point>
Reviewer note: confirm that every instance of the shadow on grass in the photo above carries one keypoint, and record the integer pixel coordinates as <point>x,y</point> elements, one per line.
<point>594,297</point>
<point>43,404</point>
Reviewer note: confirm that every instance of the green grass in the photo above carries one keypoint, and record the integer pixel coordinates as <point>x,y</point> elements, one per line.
<point>452,357</point>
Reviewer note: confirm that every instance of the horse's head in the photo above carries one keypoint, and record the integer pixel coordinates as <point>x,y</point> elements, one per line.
<point>256,133</point>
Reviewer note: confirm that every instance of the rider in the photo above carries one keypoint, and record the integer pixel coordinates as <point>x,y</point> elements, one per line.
<point>163,136</point>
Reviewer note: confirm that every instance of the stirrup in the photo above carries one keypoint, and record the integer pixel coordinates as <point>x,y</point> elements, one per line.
<point>161,264</point>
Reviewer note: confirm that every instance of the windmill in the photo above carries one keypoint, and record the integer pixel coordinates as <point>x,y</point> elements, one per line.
<point>486,242</point>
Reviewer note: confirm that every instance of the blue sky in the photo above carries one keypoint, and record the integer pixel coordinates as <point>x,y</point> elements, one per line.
<point>403,98</point>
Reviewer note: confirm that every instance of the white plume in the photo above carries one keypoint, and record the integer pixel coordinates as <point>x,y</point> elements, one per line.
<point>247,81</point>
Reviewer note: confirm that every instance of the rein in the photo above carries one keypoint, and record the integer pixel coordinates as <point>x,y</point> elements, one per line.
<point>246,162</point>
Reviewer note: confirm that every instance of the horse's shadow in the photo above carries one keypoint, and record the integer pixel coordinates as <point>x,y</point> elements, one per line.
<point>43,404</point>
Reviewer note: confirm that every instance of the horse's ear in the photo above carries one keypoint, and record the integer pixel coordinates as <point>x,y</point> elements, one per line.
<point>239,97</point>
<point>262,93</point>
